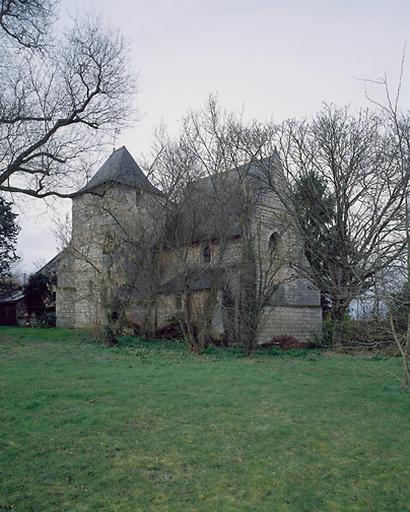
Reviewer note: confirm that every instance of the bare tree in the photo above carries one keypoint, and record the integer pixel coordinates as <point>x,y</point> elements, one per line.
<point>217,237</point>
<point>176,172</point>
<point>60,97</point>
<point>26,22</point>
<point>397,127</point>
<point>350,154</point>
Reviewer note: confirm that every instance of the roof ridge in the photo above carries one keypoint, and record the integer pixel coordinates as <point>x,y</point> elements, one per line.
<point>120,167</point>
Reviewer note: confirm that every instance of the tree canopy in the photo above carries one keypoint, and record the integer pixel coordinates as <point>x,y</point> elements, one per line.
<point>8,238</point>
<point>61,97</point>
<point>40,294</point>
<point>315,207</point>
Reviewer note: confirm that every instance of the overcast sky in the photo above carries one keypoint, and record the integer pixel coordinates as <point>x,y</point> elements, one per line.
<point>276,59</point>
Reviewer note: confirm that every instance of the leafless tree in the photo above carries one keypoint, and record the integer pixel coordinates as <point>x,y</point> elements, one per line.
<point>397,126</point>
<point>61,96</point>
<point>209,173</point>
<point>26,22</point>
<point>176,172</point>
<point>350,153</point>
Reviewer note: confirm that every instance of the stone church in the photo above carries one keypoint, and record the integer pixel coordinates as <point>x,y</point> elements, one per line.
<point>223,247</point>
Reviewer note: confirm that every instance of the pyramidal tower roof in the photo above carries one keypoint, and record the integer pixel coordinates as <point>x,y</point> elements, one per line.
<point>121,168</point>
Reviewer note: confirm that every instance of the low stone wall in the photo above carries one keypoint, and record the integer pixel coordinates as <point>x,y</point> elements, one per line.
<point>302,322</point>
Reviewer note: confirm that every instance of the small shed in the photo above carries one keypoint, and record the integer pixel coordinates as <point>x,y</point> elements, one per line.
<point>13,310</point>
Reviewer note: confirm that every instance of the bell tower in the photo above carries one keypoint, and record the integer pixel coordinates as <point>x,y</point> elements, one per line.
<point>113,218</point>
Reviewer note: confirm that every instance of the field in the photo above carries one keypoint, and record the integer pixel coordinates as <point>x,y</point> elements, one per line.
<point>146,427</point>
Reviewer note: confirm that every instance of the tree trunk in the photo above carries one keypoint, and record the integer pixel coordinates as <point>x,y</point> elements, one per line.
<point>206,316</point>
<point>338,313</point>
<point>405,374</point>
<point>249,306</point>
<point>228,312</point>
<point>405,354</point>
<point>402,349</point>
<point>190,331</point>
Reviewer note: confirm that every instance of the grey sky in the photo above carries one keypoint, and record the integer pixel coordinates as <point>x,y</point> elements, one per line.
<point>277,59</point>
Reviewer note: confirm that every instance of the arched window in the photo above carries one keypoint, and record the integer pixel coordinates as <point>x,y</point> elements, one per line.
<point>206,254</point>
<point>274,241</point>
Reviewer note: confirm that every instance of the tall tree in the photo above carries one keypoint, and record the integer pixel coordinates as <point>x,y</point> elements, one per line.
<point>350,153</point>
<point>8,238</point>
<point>315,209</point>
<point>61,96</point>
<point>219,168</point>
<point>27,21</point>
<point>397,126</point>
<point>40,294</point>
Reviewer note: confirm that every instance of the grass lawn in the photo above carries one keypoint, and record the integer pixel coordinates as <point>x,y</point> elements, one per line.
<point>146,427</point>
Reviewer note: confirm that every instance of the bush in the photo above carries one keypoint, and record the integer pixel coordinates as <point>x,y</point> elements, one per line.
<point>171,331</point>
<point>107,337</point>
<point>47,319</point>
<point>40,296</point>
<point>368,334</point>
<point>285,342</point>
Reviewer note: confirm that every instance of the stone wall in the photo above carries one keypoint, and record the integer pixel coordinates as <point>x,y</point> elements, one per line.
<point>294,307</point>
<point>100,258</point>
<point>108,227</point>
<point>177,259</point>
<point>66,291</point>
<point>170,306</point>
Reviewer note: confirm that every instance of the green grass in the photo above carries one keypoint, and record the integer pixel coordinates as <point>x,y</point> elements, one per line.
<point>146,427</point>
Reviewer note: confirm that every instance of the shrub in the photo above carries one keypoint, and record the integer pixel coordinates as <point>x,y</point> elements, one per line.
<point>369,334</point>
<point>171,331</point>
<point>47,319</point>
<point>40,295</point>
<point>287,342</point>
<point>107,336</point>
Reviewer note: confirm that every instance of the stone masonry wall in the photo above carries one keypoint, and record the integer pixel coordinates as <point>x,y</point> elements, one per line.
<point>103,225</point>
<point>93,261</point>
<point>303,323</point>
<point>294,308</point>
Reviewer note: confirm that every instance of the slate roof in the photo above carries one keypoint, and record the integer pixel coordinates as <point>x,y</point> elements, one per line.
<point>121,168</point>
<point>204,279</point>
<point>12,297</point>
<point>52,265</point>
<point>259,172</point>
<point>212,206</point>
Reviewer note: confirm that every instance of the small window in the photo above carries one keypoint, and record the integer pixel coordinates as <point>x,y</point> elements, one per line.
<point>274,244</point>
<point>206,254</point>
